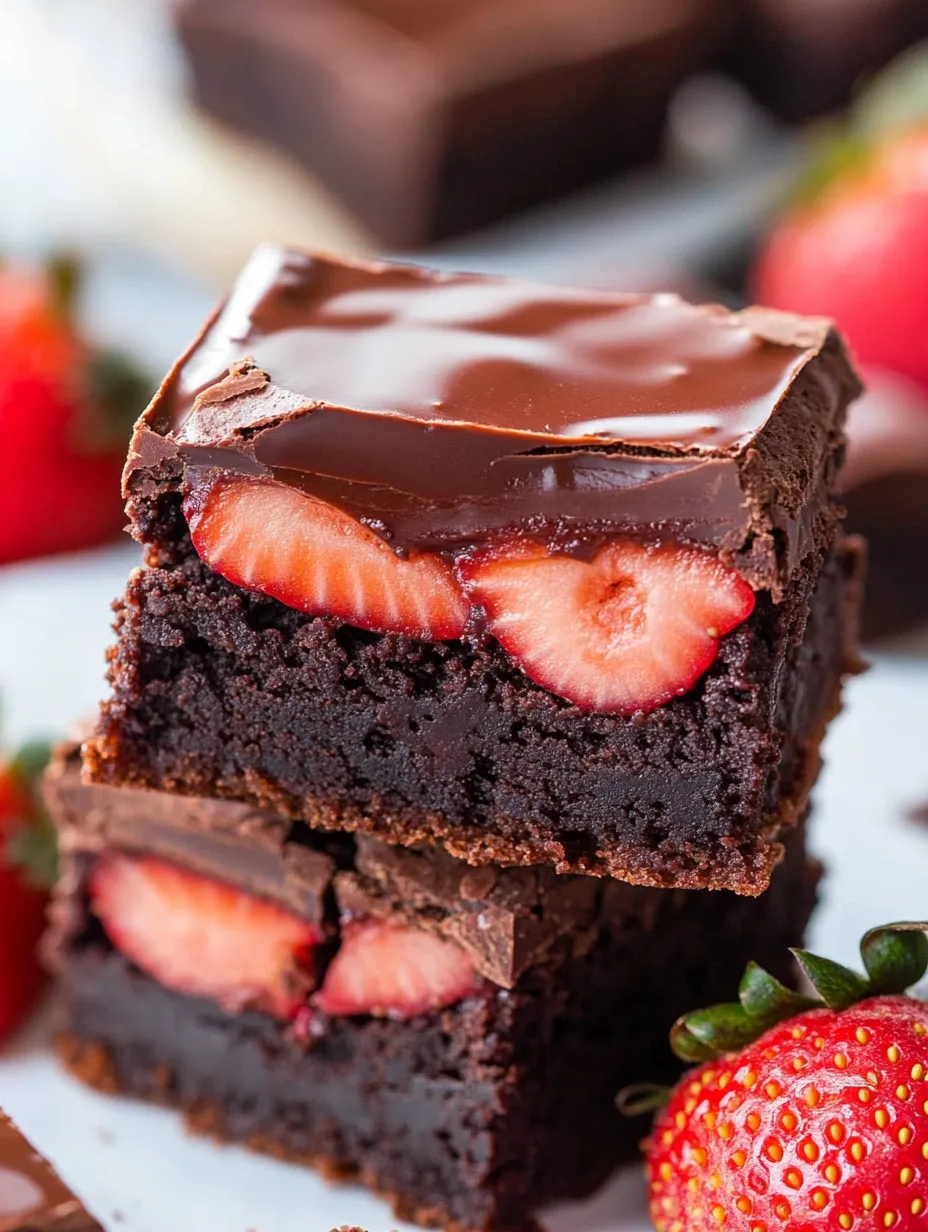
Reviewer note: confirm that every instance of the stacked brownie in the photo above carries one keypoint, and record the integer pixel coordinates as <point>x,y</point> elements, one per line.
<point>483,629</point>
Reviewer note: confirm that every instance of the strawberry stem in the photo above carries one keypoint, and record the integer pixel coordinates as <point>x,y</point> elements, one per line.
<point>642,1097</point>
<point>64,279</point>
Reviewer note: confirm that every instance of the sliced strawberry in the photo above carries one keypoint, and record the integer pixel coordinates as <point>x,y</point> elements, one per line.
<point>394,971</point>
<point>268,537</point>
<point>204,937</point>
<point>624,632</point>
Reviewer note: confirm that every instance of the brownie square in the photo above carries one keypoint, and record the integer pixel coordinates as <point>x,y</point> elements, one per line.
<point>431,119</point>
<point>457,432</point>
<point>805,57</point>
<point>470,1114</point>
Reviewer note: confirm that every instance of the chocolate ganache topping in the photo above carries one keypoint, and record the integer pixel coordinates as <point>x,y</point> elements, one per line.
<point>440,409</point>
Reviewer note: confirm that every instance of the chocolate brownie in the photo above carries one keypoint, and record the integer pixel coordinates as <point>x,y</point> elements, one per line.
<point>884,488</point>
<point>544,575</point>
<point>468,1028</point>
<point>431,119</point>
<point>33,1197</point>
<point>805,57</point>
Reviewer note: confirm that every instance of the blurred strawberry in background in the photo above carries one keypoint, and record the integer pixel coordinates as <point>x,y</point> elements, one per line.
<point>28,864</point>
<point>854,244</point>
<point>66,410</point>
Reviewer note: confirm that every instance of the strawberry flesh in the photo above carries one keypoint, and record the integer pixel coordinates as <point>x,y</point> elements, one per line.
<point>392,970</point>
<point>621,633</point>
<point>271,538</point>
<point>204,937</point>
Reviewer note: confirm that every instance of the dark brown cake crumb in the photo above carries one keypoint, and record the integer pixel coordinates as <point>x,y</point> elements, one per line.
<point>219,692</point>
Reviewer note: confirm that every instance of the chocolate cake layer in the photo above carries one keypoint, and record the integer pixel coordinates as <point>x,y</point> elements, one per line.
<point>467,1118</point>
<point>431,119</point>
<point>444,411</point>
<point>33,1197</point>
<point>217,692</point>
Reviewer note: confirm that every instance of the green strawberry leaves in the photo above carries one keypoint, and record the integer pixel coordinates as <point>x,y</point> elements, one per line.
<point>839,987</point>
<point>765,999</point>
<point>762,1002</point>
<point>895,101</point>
<point>118,392</point>
<point>895,956</point>
<point>32,845</point>
<point>114,390</point>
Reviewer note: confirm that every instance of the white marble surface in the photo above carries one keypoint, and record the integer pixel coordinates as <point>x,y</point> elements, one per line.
<point>136,1166</point>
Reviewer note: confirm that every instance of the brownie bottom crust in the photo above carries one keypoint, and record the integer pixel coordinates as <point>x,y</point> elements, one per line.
<point>218,692</point>
<point>469,1118</point>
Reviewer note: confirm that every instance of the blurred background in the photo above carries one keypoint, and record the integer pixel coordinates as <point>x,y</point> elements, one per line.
<point>729,150</point>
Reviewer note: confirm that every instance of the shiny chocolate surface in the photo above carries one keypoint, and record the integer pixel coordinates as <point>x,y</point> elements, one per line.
<point>555,365</point>
<point>442,409</point>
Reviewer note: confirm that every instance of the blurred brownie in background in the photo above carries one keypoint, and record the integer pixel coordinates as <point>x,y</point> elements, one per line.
<point>33,1197</point>
<point>804,57</point>
<point>885,490</point>
<point>431,119</point>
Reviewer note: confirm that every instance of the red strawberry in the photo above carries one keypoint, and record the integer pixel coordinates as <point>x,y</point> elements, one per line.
<point>65,413</point>
<point>203,937</point>
<point>27,869</point>
<point>855,246</point>
<point>819,1122</point>
<point>624,632</point>
<point>395,971</point>
<point>268,537</point>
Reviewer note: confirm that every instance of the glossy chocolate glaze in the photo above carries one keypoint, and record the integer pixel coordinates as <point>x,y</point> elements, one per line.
<point>443,408</point>
<point>33,1198</point>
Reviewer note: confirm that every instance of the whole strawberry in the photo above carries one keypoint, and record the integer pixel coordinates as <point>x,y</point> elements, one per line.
<point>854,246</point>
<point>65,414</point>
<point>803,1114</point>
<point>27,870</point>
